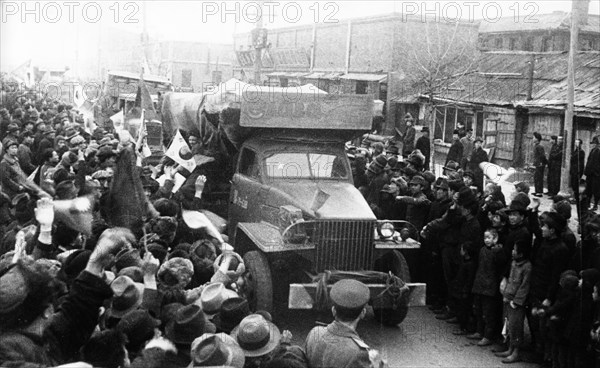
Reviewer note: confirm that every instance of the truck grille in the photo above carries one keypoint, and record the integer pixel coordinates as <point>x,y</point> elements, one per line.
<point>344,245</point>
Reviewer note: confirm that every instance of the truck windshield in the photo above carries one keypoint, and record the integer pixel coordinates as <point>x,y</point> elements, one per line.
<point>305,165</point>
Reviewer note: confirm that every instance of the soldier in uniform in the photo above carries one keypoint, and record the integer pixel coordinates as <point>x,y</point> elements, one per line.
<point>338,344</point>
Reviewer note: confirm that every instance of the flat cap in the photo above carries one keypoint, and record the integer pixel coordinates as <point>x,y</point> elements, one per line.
<point>351,294</point>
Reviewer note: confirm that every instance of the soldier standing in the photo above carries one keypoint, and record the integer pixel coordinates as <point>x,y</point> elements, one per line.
<point>338,344</point>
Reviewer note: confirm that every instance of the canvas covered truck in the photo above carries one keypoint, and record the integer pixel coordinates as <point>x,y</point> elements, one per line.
<point>295,215</point>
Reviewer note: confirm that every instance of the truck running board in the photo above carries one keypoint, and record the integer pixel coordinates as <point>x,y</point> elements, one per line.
<point>302,296</point>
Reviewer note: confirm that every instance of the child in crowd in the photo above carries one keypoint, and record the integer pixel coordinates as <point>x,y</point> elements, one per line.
<point>514,295</point>
<point>486,288</point>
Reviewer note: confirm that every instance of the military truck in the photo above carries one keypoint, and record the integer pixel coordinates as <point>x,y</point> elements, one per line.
<point>294,212</point>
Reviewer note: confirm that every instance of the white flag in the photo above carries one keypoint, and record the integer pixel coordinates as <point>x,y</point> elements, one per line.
<point>180,152</point>
<point>118,120</point>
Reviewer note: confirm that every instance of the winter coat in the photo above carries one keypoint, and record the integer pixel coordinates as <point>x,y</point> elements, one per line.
<point>468,144</point>
<point>417,209</point>
<point>555,156</point>
<point>462,284</point>
<point>518,282</point>
<point>455,152</point>
<point>424,145</point>
<point>408,143</point>
<point>592,167</point>
<point>336,346</point>
<point>10,176</point>
<point>577,163</point>
<point>539,156</point>
<point>438,209</point>
<point>25,159</point>
<point>489,271</point>
<point>550,261</point>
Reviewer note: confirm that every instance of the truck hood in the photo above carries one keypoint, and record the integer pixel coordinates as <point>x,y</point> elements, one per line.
<point>344,201</point>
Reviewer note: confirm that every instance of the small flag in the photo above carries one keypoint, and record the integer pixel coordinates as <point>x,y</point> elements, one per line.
<point>319,200</point>
<point>180,152</point>
<point>118,120</point>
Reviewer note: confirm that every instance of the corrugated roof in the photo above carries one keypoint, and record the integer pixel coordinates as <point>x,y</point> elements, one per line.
<point>501,78</point>
<point>538,22</point>
<point>587,87</point>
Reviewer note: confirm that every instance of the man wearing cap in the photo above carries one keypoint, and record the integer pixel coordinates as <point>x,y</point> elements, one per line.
<point>24,153</point>
<point>468,143</point>
<point>455,152</point>
<point>477,157</point>
<point>592,174</point>
<point>11,175</point>
<point>377,179</point>
<point>424,145</point>
<point>338,344</point>
<point>46,141</point>
<point>539,163</point>
<point>554,164</point>
<point>417,205</point>
<point>408,140</point>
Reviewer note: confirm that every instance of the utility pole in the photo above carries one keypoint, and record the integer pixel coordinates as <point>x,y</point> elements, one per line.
<point>577,8</point>
<point>258,45</point>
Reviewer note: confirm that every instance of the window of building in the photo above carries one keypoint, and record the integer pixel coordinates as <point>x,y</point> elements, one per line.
<point>446,119</point>
<point>186,78</point>
<point>498,43</point>
<point>249,165</point>
<point>283,82</point>
<point>361,87</point>
<point>217,76</point>
<point>512,43</point>
<point>528,44</point>
<point>547,43</point>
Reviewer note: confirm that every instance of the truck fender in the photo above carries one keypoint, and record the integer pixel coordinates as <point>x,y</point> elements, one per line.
<point>264,236</point>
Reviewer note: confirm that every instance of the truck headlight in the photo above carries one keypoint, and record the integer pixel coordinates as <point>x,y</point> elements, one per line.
<point>386,230</point>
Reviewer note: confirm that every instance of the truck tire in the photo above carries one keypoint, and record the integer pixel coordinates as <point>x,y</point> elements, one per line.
<point>396,263</point>
<point>259,282</point>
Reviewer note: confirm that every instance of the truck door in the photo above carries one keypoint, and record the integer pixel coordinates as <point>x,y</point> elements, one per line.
<point>247,189</point>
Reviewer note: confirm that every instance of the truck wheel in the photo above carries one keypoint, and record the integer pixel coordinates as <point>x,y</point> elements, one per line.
<point>258,283</point>
<point>394,262</point>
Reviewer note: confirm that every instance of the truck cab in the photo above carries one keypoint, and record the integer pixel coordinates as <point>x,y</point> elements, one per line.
<point>294,212</point>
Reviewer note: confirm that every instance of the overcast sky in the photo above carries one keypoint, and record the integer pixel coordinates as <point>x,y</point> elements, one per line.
<point>49,40</point>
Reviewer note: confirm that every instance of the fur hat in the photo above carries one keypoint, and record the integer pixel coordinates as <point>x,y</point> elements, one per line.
<point>555,221</point>
<point>176,272</point>
<point>563,208</point>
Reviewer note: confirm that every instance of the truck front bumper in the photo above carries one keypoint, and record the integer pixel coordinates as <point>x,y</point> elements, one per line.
<point>302,296</point>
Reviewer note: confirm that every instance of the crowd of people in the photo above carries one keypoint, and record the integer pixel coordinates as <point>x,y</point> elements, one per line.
<point>103,263</point>
<point>490,263</point>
